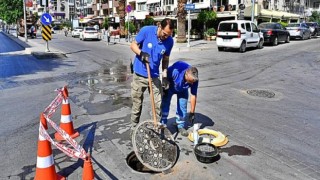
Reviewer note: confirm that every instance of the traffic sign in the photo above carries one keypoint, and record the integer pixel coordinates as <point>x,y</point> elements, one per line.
<point>128,8</point>
<point>242,6</point>
<point>46,19</point>
<point>46,33</point>
<point>189,7</point>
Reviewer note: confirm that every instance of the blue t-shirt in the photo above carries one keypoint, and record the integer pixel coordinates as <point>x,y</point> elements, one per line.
<point>176,74</point>
<point>148,40</point>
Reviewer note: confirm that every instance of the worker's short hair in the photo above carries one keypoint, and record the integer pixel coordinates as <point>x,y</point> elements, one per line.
<point>193,71</point>
<point>165,22</point>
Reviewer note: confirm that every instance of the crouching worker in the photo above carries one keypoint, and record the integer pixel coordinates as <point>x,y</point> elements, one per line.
<point>180,77</point>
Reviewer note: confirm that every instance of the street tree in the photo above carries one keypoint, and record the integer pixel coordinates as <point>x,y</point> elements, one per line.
<point>315,17</point>
<point>122,15</point>
<point>11,10</point>
<point>181,18</point>
<point>206,16</point>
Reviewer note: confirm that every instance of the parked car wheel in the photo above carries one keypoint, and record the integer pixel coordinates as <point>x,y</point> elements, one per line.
<point>242,48</point>
<point>287,39</point>
<point>275,41</point>
<point>260,45</point>
<point>220,48</point>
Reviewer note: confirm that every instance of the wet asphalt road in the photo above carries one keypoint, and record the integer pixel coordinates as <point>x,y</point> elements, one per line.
<point>273,137</point>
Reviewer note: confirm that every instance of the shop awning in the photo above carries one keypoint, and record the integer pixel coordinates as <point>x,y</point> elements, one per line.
<point>259,12</point>
<point>152,1</point>
<point>141,1</point>
<point>84,20</point>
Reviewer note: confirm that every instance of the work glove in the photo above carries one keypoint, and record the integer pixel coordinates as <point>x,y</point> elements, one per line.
<point>165,83</point>
<point>144,57</point>
<point>191,117</point>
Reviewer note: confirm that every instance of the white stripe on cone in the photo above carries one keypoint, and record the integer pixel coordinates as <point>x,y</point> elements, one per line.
<point>41,138</point>
<point>44,162</point>
<point>65,101</point>
<point>65,118</point>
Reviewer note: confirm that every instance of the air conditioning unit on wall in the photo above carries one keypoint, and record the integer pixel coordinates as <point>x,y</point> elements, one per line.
<point>169,8</point>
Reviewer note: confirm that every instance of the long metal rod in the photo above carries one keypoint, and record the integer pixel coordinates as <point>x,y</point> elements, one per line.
<point>25,21</point>
<point>151,96</point>
<point>188,44</point>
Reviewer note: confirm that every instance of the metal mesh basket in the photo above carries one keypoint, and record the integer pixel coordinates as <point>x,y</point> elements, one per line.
<point>206,152</point>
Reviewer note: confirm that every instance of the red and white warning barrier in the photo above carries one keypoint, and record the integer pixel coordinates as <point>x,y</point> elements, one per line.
<point>55,103</point>
<point>78,151</point>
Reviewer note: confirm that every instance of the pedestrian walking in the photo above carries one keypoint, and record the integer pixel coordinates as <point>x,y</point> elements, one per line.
<point>32,29</point>
<point>152,45</point>
<point>65,31</point>
<point>181,77</point>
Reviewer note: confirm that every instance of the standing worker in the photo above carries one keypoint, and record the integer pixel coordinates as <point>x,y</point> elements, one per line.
<point>181,77</point>
<point>151,45</point>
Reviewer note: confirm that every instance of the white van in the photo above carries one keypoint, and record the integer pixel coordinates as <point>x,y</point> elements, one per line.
<point>238,34</point>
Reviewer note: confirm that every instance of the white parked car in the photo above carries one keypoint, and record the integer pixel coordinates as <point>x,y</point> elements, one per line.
<point>76,32</point>
<point>238,34</point>
<point>89,33</point>
<point>299,30</point>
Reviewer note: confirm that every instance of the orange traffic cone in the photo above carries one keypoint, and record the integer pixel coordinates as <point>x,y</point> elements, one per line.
<point>66,121</point>
<point>45,163</point>
<point>87,173</point>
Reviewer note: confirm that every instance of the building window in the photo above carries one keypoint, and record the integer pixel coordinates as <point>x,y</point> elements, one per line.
<point>142,6</point>
<point>198,1</point>
<point>168,2</point>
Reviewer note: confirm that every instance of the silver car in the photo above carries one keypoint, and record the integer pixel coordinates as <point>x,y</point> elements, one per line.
<point>299,30</point>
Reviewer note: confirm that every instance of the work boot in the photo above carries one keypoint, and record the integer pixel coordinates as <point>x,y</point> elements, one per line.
<point>183,132</point>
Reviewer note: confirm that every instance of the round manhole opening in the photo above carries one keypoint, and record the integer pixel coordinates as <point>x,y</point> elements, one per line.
<point>261,93</point>
<point>134,163</point>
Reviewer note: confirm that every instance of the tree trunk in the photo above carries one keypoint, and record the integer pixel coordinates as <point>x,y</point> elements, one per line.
<point>122,15</point>
<point>181,18</point>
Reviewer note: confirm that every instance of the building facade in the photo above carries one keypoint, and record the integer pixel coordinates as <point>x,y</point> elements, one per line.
<point>264,10</point>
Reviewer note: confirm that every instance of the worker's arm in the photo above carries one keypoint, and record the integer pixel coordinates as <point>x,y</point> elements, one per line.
<point>135,47</point>
<point>193,102</point>
<point>165,64</point>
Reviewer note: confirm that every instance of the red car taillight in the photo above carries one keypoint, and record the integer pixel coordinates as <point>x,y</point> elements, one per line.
<point>239,34</point>
<point>269,32</point>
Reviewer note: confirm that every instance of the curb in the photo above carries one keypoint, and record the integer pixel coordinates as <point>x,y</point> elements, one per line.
<point>28,46</point>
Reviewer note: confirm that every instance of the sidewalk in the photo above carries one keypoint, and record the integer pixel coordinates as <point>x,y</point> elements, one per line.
<point>36,49</point>
<point>198,45</point>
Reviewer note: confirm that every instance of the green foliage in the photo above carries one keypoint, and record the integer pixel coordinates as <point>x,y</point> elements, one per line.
<point>148,21</point>
<point>210,32</point>
<point>284,24</point>
<point>11,10</point>
<point>105,23</point>
<point>132,28</point>
<point>205,16</point>
<point>315,17</point>
<point>67,24</point>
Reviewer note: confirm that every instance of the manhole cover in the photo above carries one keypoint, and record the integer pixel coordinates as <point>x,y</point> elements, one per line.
<point>261,93</point>
<point>155,149</point>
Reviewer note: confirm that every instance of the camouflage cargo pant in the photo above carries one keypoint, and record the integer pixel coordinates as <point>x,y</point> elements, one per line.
<point>138,87</point>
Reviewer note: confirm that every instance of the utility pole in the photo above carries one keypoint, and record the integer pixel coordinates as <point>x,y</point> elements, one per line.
<point>252,11</point>
<point>25,21</point>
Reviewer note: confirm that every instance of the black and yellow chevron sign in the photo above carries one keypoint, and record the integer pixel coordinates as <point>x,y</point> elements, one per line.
<point>46,33</point>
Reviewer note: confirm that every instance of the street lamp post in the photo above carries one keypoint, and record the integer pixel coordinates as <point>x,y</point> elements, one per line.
<point>252,11</point>
<point>25,21</point>
<point>189,25</point>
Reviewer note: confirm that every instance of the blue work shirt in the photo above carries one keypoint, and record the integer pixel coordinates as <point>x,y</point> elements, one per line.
<point>148,40</point>
<point>176,74</point>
